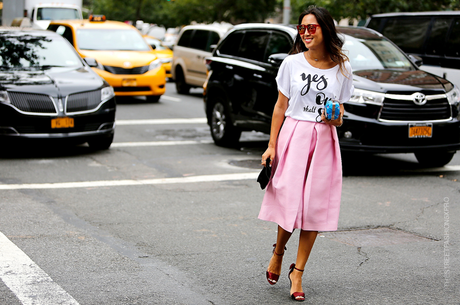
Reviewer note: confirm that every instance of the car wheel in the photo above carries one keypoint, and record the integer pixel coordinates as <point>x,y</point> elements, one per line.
<point>435,158</point>
<point>222,130</point>
<point>153,98</point>
<point>181,86</point>
<point>101,143</point>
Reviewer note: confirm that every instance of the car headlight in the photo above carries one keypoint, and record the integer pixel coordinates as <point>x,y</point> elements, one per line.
<point>367,97</point>
<point>165,60</point>
<point>107,93</point>
<point>155,64</point>
<point>453,96</point>
<point>4,97</point>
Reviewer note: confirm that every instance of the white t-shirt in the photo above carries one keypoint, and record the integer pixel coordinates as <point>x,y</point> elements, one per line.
<point>309,88</point>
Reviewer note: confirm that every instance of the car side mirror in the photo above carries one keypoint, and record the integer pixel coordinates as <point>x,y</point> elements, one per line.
<point>212,47</point>
<point>417,60</point>
<point>92,62</point>
<point>277,59</point>
<point>153,46</point>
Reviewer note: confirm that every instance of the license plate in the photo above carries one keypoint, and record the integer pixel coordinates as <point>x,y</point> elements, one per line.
<point>420,130</point>
<point>129,82</point>
<point>62,123</point>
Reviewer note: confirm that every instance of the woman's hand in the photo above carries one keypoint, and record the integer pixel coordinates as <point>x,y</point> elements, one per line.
<point>269,153</point>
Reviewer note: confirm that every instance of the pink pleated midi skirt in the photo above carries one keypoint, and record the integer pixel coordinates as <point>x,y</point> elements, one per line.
<point>305,189</point>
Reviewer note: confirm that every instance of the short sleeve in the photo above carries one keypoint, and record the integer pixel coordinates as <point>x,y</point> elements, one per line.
<point>347,85</point>
<point>283,79</point>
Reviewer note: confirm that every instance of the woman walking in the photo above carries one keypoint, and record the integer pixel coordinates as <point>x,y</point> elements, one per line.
<point>305,188</point>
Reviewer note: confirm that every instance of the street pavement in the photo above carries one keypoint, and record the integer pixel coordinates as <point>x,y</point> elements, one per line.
<point>167,217</point>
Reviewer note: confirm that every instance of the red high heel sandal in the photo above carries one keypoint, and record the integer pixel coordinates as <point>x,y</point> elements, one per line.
<point>297,296</point>
<point>271,277</point>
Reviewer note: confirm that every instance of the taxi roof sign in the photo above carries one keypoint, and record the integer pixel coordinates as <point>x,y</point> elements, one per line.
<point>97,18</point>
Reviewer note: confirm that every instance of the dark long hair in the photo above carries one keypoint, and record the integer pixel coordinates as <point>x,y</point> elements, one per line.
<point>332,41</point>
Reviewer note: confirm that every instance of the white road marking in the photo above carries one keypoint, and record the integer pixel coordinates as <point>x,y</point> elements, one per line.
<point>158,143</point>
<point>27,280</point>
<point>170,98</point>
<point>445,168</point>
<point>162,121</point>
<point>108,183</point>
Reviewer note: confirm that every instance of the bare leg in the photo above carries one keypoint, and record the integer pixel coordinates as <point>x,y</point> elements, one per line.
<point>275,262</point>
<point>306,241</point>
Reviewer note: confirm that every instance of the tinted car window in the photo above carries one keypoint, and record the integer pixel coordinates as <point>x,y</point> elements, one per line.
<point>231,45</point>
<point>436,41</point>
<point>185,38</point>
<point>253,45</point>
<point>453,44</point>
<point>278,43</point>
<point>213,39</point>
<point>200,40</point>
<point>36,51</point>
<point>408,33</point>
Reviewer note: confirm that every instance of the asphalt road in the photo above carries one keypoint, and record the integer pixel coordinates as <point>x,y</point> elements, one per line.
<point>167,217</point>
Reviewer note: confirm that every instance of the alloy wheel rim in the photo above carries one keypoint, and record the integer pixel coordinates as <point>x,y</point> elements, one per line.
<point>218,120</point>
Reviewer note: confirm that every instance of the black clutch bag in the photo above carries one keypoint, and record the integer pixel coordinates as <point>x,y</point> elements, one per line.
<point>265,174</point>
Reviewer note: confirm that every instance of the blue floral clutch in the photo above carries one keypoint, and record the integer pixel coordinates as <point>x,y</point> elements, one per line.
<point>332,110</point>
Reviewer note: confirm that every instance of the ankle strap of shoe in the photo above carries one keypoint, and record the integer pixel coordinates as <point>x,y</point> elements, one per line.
<point>298,269</point>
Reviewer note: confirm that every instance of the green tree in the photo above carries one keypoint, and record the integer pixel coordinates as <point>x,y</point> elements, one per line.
<point>362,9</point>
<point>183,12</point>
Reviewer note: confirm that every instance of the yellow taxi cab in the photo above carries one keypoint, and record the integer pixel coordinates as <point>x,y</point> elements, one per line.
<point>118,53</point>
<point>164,53</point>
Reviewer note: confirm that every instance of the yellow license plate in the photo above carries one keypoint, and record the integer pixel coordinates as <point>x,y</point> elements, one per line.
<point>129,82</point>
<point>62,123</point>
<point>420,130</point>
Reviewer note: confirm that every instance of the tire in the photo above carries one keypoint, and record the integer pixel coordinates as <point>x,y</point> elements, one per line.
<point>101,143</point>
<point>153,98</point>
<point>181,86</point>
<point>222,130</point>
<point>434,158</point>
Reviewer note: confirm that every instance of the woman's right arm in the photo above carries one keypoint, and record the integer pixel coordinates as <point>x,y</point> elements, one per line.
<point>277,120</point>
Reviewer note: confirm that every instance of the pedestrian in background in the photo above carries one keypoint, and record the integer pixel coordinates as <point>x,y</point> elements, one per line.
<point>305,188</point>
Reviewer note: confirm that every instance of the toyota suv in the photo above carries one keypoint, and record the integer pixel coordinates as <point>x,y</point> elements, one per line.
<point>395,107</point>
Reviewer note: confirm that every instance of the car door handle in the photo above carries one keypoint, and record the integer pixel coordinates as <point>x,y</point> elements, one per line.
<point>258,75</point>
<point>229,67</point>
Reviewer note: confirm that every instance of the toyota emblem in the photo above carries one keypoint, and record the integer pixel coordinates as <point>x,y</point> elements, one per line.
<point>419,98</point>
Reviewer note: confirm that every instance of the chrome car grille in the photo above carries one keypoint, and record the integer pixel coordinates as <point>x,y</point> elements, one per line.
<point>118,70</point>
<point>83,101</point>
<point>404,109</point>
<point>32,102</point>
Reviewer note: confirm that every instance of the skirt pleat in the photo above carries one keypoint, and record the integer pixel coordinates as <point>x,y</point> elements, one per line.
<point>305,189</point>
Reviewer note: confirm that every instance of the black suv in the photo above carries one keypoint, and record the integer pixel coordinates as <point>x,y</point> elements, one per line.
<point>395,108</point>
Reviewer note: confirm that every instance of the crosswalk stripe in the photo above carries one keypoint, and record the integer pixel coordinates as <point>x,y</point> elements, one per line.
<point>157,143</point>
<point>161,121</point>
<point>27,280</point>
<point>109,183</point>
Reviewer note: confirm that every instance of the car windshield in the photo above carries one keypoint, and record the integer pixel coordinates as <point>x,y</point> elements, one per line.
<point>365,54</point>
<point>57,13</point>
<point>28,51</point>
<point>111,40</point>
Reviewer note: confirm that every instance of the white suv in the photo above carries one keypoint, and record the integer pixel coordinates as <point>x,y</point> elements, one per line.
<point>195,43</point>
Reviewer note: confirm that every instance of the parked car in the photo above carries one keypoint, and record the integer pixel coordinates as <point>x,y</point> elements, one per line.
<point>48,92</point>
<point>395,108</point>
<point>433,36</point>
<point>118,53</point>
<point>194,44</point>
<point>164,53</point>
